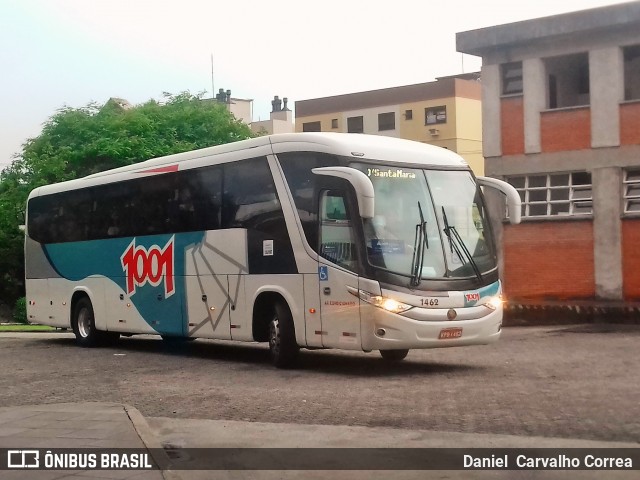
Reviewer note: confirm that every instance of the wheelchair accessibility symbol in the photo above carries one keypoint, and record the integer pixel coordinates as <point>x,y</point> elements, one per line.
<point>323,273</point>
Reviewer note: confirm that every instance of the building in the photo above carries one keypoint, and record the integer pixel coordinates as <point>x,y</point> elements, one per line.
<point>241,108</point>
<point>561,116</point>
<point>117,103</point>
<point>446,113</point>
<point>280,119</point>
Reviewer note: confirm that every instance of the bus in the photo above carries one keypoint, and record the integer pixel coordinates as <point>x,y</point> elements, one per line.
<point>301,240</point>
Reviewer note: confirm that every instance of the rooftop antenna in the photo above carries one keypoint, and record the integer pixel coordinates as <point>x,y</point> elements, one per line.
<point>213,89</point>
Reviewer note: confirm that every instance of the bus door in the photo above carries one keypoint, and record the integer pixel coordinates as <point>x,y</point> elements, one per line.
<point>340,313</point>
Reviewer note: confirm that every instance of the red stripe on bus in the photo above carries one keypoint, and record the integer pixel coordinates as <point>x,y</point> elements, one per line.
<point>170,168</point>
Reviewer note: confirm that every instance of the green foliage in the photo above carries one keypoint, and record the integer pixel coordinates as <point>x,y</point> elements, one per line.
<point>20,311</point>
<point>76,142</point>
<point>26,328</point>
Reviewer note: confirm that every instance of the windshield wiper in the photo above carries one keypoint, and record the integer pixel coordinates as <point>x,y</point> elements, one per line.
<point>420,244</point>
<point>456,244</point>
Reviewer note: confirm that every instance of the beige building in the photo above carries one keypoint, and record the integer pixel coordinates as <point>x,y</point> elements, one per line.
<point>446,113</point>
<point>280,119</point>
<point>241,108</point>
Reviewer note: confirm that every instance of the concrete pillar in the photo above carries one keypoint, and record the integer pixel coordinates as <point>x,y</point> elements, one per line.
<point>491,125</point>
<point>606,82</point>
<point>607,232</point>
<point>535,100</point>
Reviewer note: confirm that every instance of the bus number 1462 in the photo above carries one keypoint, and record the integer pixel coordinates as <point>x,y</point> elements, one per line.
<point>429,302</point>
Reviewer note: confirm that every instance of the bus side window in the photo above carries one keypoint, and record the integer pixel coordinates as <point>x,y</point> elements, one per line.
<point>206,188</point>
<point>336,231</point>
<point>40,219</point>
<point>304,186</point>
<point>249,199</point>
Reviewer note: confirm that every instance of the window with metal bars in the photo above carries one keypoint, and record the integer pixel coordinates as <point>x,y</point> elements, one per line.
<point>554,194</point>
<point>631,190</point>
<point>511,77</point>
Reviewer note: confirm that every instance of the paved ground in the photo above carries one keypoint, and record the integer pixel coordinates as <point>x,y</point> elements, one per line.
<point>74,426</point>
<point>106,425</point>
<point>554,386</point>
<point>566,382</point>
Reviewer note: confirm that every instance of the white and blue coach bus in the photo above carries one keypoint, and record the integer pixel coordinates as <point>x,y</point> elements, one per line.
<point>312,240</point>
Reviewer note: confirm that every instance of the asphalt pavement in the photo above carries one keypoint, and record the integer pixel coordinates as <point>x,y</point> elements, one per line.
<point>579,358</point>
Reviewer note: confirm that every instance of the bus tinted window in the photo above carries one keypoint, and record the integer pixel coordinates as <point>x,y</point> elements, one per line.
<point>198,204</point>
<point>64,218</point>
<point>190,200</point>
<point>303,184</point>
<point>250,201</point>
<point>249,194</point>
<point>113,205</point>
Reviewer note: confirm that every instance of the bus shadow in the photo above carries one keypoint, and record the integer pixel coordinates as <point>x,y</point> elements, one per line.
<point>249,356</point>
<point>354,364</point>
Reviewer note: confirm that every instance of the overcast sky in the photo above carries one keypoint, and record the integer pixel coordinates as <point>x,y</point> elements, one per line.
<point>71,52</point>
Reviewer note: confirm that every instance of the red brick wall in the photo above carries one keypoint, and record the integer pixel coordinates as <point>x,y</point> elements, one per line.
<point>630,123</point>
<point>565,130</point>
<point>631,259</point>
<point>549,260</point>
<point>512,125</point>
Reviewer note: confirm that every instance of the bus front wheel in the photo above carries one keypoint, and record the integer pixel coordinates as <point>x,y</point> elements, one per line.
<point>282,337</point>
<point>394,355</point>
<point>84,325</point>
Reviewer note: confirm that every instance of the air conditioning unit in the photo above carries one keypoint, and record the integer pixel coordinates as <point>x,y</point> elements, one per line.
<point>434,131</point>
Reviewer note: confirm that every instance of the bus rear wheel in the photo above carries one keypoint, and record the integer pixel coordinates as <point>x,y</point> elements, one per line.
<point>282,337</point>
<point>394,355</point>
<point>84,325</point>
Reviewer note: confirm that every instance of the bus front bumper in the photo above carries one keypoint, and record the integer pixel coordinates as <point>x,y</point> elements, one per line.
<point>383,330</point>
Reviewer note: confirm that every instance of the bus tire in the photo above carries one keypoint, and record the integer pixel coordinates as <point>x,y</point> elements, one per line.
<point>84,324</point>
<point>394,355</point>
<point>282,337</point>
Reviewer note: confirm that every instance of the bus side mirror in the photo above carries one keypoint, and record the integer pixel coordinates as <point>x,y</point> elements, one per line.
<point>513,197</point>
<point>360,182</point>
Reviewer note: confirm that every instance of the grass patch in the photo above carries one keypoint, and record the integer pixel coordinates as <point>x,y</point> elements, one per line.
<point>26,328</point>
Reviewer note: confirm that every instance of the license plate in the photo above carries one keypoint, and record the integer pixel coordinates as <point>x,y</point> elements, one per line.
<point>448,333</point>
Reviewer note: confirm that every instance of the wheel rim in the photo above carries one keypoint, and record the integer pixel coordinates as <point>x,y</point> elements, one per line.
<point>273,336</point>
<point>84,322</point>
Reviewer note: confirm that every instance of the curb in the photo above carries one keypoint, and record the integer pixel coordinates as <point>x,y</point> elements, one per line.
<point>561,313</point>
<point>150,442</point>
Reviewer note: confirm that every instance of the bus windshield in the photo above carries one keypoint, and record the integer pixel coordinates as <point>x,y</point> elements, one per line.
<point>433,221</point>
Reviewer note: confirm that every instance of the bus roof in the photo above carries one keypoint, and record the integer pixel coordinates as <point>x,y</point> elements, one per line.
<point>358,146</point>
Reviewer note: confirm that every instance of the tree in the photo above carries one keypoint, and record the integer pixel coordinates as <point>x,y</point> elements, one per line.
<point>76,142</point>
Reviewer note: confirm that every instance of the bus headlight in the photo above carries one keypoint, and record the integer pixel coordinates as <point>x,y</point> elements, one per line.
<point>394,306</point>
<point>388,304</point>
<point>494,302</point>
